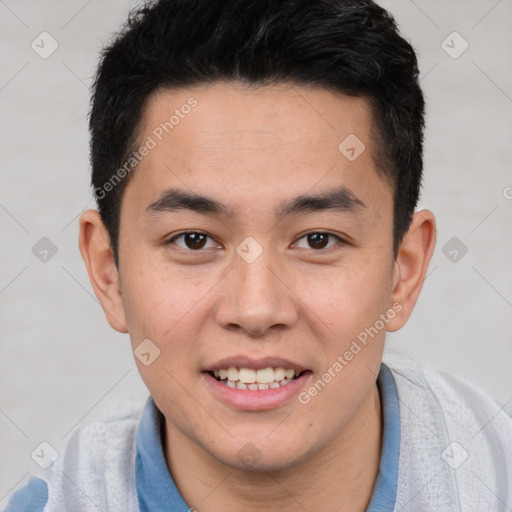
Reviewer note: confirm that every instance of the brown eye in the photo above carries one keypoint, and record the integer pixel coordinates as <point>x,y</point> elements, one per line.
<point>193,240</point>
<point>320,240</point>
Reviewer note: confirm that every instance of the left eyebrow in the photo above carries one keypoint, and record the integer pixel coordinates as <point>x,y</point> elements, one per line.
<point>340,199</point>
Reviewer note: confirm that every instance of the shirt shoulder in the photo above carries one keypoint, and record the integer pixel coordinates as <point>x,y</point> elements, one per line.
<point>452,393</point>
<point>456,440</point>
<point>97,464</point>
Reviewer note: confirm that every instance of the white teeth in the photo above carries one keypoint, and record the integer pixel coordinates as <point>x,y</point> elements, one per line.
<point>232,373</point>
<point>248,378</point>
<point>265,376</point>
<point>279,374</point>
<point>251,376</point>
<point>247,375</point>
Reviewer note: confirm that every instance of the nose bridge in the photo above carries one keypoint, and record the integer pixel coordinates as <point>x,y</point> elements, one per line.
<point>258,297</point>
<point>254,274</point>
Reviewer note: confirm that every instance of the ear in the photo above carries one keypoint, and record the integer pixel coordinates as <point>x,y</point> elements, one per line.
<point>94,243</point>
<point>411,266</point>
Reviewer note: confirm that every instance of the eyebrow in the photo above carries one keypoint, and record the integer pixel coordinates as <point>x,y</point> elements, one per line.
<point>339,199</point>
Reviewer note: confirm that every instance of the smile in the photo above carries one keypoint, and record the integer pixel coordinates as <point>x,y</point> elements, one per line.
<point>251,379</point>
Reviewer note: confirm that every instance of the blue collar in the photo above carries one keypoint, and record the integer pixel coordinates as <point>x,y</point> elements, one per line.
<point>157,491</point>
<point>384,491</point>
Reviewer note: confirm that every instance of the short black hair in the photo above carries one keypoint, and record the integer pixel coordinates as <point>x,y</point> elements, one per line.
<point>349,46</point>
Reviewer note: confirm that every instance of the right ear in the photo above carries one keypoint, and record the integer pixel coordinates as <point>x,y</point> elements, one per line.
<point>94,243</point>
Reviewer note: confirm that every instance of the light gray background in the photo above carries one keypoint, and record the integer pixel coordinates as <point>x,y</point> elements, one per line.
<point>61,363</point>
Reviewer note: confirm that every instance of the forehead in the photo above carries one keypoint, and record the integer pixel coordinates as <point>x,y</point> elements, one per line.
<point>226,111</point>
<point>230,139</point>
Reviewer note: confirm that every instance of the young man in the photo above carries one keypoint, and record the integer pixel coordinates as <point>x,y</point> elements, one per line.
<point>257,165</point>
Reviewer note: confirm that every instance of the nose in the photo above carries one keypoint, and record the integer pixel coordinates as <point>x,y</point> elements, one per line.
<point>257,296</point>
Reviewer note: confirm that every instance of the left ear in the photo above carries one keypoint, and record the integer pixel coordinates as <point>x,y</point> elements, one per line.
<point>411,265</point>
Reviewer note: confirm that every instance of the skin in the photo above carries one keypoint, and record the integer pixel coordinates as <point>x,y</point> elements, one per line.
<point>251,149</point>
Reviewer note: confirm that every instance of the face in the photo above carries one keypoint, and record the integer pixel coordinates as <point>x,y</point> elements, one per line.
<point>257,273</point>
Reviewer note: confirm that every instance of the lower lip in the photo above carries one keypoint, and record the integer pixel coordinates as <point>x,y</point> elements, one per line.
<point>258,399</point>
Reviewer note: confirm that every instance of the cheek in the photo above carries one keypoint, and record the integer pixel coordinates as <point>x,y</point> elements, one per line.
<point>347,300</point>
<point>353,348</point>
<point>159,301</point>
<point>359,310</point>
<point>169,311</point>
<point>352,307</point>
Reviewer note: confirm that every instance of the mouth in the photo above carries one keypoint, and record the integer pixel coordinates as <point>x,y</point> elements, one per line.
<point>249,384</point>
<point>251,379</point>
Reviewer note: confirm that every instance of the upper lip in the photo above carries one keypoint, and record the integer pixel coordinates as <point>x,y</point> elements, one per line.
<point>255,363</point>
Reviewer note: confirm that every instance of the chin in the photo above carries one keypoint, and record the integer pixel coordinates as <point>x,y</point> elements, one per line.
<point>262,455</point>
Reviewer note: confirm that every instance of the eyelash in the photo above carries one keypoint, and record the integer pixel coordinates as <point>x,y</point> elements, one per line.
<point>175,237</point>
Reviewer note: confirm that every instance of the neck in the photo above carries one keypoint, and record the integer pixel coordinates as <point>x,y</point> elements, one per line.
<point>339,478</point>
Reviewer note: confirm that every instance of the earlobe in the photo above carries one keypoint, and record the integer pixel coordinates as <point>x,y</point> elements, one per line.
<point>97,255</point>
<point>411,266</point>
